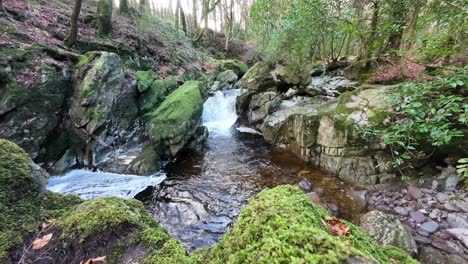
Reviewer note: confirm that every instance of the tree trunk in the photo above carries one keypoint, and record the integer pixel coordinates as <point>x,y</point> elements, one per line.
<point>195,20</point>
<point>183,21</point>
<point>123,8</point>
<point>177,17</point>
<point>104,19</point>
<point>399,15</point>
<point>412,23</point>
<point>71,38</point>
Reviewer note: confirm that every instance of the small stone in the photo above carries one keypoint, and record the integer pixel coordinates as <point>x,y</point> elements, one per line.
<point>426,190</point>
<point>451,207</point>
<point>423,232</point>
<point>414,192</point>
<point>462,205</point>
<point>435,214</point>
<point>314,197</point>
<point>421,239</point>
<point>430,226</point>
<point>424,211</point>
<point>305,185</point>
<point>401,211</point>
<point>461,234</point>
<point>418,217</point>
<point>457,220</point>
<point>441,197</point>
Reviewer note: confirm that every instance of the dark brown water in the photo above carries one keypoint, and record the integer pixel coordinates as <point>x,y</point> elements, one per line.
<point>206,189</point>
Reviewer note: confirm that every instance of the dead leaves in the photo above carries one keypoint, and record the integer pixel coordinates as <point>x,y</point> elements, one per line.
<point>41,242</point>
<point>99,260</point>
<point>337,227</point>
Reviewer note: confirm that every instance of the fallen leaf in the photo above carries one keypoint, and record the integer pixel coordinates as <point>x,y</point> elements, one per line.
<point>41,242</point>
<point>99,260</point>
<point>337,227</point>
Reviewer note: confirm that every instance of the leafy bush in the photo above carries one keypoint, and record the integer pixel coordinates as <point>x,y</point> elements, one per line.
<point>425,117</point>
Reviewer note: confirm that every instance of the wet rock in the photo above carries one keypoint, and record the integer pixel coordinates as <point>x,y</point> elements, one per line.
<point>430,226</point>
<point>457,220</point>
<point>418,217</point>
<point>305,185</point>
<point>333,208</point>
<point>415,192</point>
<point>263,104</point>
<point>387,230</point>
<point>290,93</point>
<point>330,86</point>
<point>461,234</point>
<point>317,69</point>
<point>313,196</point>
<point>148,162</point>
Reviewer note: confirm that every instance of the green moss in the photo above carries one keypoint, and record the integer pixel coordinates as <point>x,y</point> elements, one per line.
<point>144,80</point>
<point>87,58</point>
<point>237,66</point>
<point>172,252</point>
<point>99,215</point>
<point>283,226</point>
<point>158,90</point>
<point>23,203</point>
<point>178,110</point>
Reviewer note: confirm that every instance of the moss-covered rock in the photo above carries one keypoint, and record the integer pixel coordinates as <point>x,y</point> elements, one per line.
<point>23,201</point>
<point>259,77</point>
<point>237,66</point>
<point>120,229</point>
<point>283,226</point>
<point>144,80</point>
<point>146,163</point>
<point>155,95</point>
<point>175,121</point>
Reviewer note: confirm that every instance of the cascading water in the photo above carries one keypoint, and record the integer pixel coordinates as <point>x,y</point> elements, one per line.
<point>219,111</point>
<point>206,189</point>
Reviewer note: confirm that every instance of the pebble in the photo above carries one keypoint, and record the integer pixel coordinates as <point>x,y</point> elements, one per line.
<point>457,220</point>
<point>441,197</point>
<point>462,205</point>
<point>418,217</point>
<point>422,239</point>
<point>435,214</point>
<point>451,207</point>
<point>430,226</point>
<point>414,192</point>
<point>401,211</point>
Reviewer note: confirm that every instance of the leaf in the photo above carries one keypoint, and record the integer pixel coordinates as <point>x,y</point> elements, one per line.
<point>337,227</point>
<point>99,260</point>
<point>41,242</point>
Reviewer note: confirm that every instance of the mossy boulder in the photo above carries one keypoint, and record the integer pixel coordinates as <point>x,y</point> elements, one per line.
<point>237,66</point>
<point>156,93</point>
<point>23,200</point>
<point>258,78</point>
<point>176,120</point>
<point>292,75</point>
<point>96,95</point>
<point>116,228</point>
<point>282,225</point>
<point>144,80</point>
<point>227,77</point>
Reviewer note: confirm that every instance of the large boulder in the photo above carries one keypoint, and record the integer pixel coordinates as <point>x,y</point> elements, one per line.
<point>23,199</point>
<point>31,97</point>
<point>292,75</point>
<point>258,78</point>
<point>173,124</point>
<point>330,86</point>
<point>282,225</point>
<point>388,231</point>
<point>153,90</point>
<point>227,77</point>
<point>263,104</point>
<point>146,163</point>
<point>94,98</point>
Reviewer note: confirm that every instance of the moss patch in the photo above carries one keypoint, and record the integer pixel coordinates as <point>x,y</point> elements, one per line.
<point>144,80</point>
<point>23,203</point>
<point>237,66</point>
<point>181,108</point>
<point>283,226</point>
<point>156,93</point>
<point>87,58</point>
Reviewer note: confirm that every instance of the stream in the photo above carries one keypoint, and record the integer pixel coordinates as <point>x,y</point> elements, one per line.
<point>200,194</point>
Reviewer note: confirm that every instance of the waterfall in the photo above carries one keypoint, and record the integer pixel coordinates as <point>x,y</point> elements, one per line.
<point>219,111</point>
